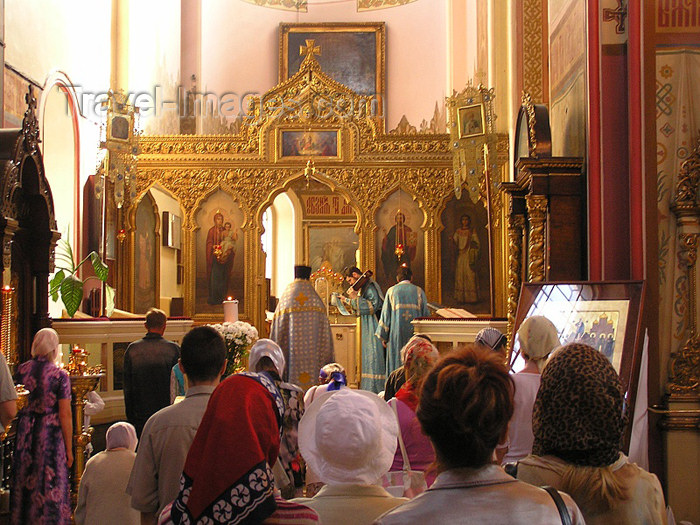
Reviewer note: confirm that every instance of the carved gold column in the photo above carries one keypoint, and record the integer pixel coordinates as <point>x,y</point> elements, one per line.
<point>8,336</point>
<point>80,386</point>
<point>684,365</point>
<point>537,214</point>
<point>681,417</point>
<point>516,226</point>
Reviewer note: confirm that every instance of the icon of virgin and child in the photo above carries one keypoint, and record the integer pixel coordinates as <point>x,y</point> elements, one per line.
<point>220,250</point>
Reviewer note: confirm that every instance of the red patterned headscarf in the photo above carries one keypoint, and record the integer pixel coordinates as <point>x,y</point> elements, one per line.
<point>228,476</point>
<point>420,355</point>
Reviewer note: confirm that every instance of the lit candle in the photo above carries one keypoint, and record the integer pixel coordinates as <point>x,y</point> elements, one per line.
<point>230,310</point>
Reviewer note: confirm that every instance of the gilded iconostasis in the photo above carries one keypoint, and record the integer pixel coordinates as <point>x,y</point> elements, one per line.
<point>355,195</point>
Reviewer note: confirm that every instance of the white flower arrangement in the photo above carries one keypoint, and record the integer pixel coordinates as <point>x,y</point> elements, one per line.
<point>239,336</point>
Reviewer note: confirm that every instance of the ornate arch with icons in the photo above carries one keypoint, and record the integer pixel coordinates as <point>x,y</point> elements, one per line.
<point>349,152</point>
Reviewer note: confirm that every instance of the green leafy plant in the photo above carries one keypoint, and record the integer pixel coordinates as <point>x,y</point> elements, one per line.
<point>66,283</point>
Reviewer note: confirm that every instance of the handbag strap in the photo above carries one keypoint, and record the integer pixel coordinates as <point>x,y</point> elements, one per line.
<point>559,502</point>
<point>406,463</point>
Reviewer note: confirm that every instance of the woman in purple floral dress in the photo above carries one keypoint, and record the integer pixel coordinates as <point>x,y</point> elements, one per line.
<point>43,449</point>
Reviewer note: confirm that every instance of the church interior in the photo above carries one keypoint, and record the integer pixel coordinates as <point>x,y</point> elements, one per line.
<point>201,148</point>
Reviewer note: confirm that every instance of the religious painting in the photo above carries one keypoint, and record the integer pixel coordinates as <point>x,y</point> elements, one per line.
<point>145,256</point>
<point>309,143</point>
<point>568,79</point>
<point>219,254</point>
<point>465,261</point>
<point>350,53</point>
<point>332,247</point>
<point>399,239</point>
<point>604,315</point>
<point>470,120</point>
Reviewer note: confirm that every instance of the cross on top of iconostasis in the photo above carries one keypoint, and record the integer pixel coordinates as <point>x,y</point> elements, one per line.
<point>309,50</point>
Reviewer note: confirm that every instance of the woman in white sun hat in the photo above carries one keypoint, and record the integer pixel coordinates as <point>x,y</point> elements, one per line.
<point>349,438</point>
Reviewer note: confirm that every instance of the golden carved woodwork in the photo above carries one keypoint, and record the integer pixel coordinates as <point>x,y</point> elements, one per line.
<point>684,365</point>
<point>370,165</point>
<point>468,151</point>
<point>370,5</point>
<point>516,225</point>
<point>80,386</point>
<point>531,122</point>
<point>685,201</point>
<point>533,25</point>
<point>537,210</point>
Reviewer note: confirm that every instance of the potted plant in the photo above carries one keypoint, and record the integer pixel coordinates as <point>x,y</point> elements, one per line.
<point>66,283</point>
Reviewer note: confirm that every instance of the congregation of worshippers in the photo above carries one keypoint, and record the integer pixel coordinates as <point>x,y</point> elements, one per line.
<point>453,437</point>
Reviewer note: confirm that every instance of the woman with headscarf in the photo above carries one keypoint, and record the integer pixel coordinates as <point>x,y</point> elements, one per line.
<point>538,337</point>
<point>578,421</point>
<point>465,404</point>
<point>228,472</point>
<point>419,357</point>
<point>44,444</point>
<point>102,496</point>
<point>492,338</point>
<point>330,377</point>
<point>266,357</point>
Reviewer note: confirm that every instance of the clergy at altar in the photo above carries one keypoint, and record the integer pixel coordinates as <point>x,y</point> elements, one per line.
<point>300,326</point>
<point>366,303</point>
<point>403,303</point>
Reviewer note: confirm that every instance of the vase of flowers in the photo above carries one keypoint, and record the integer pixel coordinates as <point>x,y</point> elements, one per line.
<point>239,337</point>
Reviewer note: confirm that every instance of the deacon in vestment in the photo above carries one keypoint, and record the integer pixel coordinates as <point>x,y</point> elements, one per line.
<point>403,303</point>
<point>367,305</point>
<point>300,326</point>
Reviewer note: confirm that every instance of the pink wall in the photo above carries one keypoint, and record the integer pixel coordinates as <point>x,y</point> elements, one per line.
<point>240,50</point>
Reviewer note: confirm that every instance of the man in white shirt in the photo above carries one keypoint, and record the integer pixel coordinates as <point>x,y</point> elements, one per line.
<point>168,434</point>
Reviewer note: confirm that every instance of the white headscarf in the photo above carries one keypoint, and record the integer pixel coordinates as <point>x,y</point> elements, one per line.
<point>538,337</point>
<point>46,344</point>
<point>122,435</point>
<point>266,347</point>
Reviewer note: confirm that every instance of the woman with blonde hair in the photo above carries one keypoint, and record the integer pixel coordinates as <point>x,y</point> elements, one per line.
<point>578,421</point>
<point>538,337</point>
<point>44,444</point>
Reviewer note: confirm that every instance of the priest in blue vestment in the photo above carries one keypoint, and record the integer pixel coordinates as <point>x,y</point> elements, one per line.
<point>300,327</point>
<point>403,303</point>
<point>367,305</point>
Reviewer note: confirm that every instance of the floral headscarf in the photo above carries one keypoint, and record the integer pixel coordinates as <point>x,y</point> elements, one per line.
<point>228,476</point>
<point>578,412</point>
<point>419,357</point>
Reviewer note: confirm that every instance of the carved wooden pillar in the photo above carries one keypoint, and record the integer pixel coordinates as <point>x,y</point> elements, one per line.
<point>537,212</point>
<point>516,225</point>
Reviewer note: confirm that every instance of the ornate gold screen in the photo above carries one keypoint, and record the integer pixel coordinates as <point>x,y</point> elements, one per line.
<point>253,167</point>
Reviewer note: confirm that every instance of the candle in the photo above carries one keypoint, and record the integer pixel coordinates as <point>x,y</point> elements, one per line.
<point>230,310</point>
